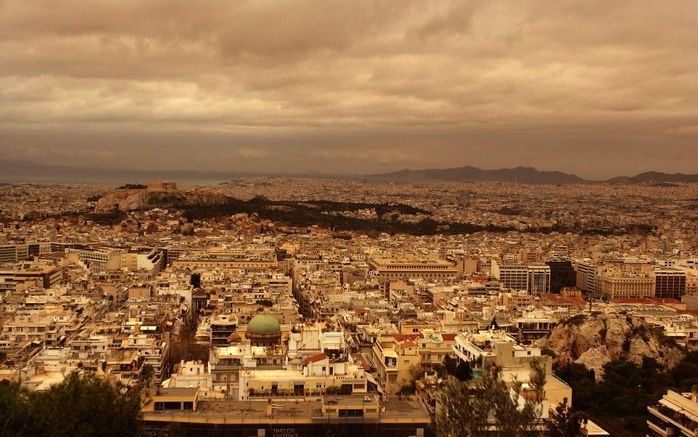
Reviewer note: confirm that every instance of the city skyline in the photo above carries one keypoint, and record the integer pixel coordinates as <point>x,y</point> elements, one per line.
<point>350,88</point>
<point>327,218</point>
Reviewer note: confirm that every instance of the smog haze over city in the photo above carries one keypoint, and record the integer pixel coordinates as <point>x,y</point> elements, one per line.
<point>591,88</point>
<point>348,218</point>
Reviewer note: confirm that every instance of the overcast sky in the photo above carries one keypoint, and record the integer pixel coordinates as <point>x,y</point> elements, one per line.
<point>596,88</point>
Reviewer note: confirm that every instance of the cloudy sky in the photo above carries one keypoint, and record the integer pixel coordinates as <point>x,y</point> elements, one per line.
<point>597,88</point>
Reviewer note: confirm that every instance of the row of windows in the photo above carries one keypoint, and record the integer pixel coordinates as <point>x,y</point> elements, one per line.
<point>421,275</point>
<point>422,267</point>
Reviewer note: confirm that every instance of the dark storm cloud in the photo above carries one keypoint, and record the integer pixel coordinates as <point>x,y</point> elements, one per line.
<point>596,88</point>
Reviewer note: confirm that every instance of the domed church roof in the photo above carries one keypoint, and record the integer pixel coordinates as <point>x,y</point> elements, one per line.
<point>263,324</point>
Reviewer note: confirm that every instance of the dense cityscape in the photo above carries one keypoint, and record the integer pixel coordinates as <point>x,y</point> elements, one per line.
<point>301,306</point>
<point>303,218</point>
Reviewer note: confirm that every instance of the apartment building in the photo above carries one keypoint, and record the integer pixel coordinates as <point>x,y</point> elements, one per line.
<point>396,359</point>
<point>486,348</point>
<point>676,414</point>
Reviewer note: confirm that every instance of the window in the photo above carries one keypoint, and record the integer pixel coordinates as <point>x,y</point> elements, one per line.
<point>351,413</point>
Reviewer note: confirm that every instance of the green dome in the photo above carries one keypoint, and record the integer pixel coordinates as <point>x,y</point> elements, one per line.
<point>263,324</point>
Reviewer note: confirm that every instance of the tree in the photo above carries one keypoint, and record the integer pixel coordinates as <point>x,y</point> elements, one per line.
<point>619,401</point>
<point>82,405</point>
<point>14,412</point>
<point>516,411</point>
<point>455,367</point>
<point>459,413</point>
<point>583,383</point>
<point>564,422</point>
<point>685,374</point>
<point>490,405</point>
<point>146,375</point>
<point>464,371</point>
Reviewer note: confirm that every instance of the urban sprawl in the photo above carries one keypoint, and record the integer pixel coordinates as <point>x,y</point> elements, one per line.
<point>277,306</point>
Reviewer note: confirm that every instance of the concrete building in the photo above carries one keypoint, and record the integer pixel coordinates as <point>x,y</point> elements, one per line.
<point>393,269</point>
<point>396,359</point>
<point>104,257</point>
<point>586,276</point>
<point>670,283</point>
<point>562,274</point>
<point>226,363</point>
<point>319,376</point>
<point>676,414</point>
<point>252,259</point>
<point>534,278</point>
<point>514,276</point>
<point>12,253</point>
<point>486,348</point>
<point>39,275</point>
<point>626,281</point>
<point>532,326</point>
<point>538,279</point>
<point>181,410</point>
<point>222,326</point>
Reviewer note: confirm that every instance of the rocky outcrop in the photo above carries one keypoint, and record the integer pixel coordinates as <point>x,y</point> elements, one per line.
<point>594,340</point>
<point>124,200</point>
<point>135,199</point>
<point>594,359</point>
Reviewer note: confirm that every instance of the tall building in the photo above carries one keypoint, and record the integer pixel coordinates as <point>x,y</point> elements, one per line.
<point>670,283</point>
<point>514,276</point>
<point>562,275</point>
<point>586,276</point>
<point>532,278</point>
<point>538,279</point>
<point>8,253</point>
<point>11,253</point>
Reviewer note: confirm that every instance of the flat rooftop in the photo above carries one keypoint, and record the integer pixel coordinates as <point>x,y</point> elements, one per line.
<point>289,411</point>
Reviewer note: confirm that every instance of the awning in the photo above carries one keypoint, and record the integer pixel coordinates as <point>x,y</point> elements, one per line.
<point>372,380</point>
<point>678,409</point>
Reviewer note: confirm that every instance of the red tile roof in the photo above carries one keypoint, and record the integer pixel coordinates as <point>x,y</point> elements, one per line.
<point>646,300</point>
<point>404,337</point>
<point>317,357</point>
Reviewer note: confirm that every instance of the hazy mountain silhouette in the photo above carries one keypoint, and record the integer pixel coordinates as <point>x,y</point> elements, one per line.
<point>655,176</point>
<point>31,172</point>
<point>526,175</point>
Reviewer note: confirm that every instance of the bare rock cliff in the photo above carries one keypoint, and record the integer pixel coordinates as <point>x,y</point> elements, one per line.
<point>130,200</point>
<point>594,340</point>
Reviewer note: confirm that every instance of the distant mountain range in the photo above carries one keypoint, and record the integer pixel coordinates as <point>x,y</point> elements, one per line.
<point>524,175</point>
<point>31,172</point>
<point>655,176</point>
